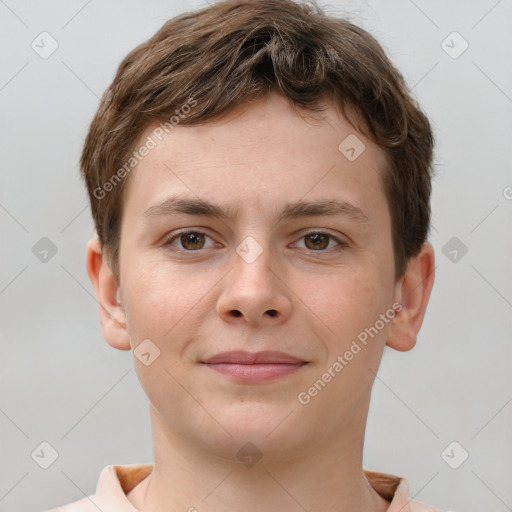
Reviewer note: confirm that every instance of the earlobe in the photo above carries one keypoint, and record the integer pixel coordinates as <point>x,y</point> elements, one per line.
<point>413,294</point>
<point>112,314</point>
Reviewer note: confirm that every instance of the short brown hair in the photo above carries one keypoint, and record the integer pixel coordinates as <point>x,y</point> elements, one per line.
<point>239,50</point>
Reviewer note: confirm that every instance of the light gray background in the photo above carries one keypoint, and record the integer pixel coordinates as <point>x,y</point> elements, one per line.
<point>61,382</point>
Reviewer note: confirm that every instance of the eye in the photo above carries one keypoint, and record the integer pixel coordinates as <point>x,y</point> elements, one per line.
<point>319,241</point>
<point>190,240</point>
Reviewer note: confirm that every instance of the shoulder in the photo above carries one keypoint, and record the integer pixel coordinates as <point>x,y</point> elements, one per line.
<point>114,483</point>
<point>403,497</point>
<point>395,489</point>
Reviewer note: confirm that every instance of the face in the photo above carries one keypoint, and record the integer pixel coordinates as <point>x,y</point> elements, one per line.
<point>256,239</point>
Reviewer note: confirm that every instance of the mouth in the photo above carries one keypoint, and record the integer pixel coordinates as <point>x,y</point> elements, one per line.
<point>255,367</point>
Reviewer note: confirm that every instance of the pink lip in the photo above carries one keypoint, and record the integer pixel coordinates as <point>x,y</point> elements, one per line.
<point>257,367</point>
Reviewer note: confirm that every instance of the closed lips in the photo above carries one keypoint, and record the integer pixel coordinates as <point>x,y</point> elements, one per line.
<point>248,358</point>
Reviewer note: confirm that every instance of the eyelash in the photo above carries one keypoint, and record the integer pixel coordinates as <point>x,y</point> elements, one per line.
<point>341,244</point>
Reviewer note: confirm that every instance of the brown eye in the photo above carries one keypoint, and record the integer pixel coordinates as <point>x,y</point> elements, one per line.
<point>190,241</point>
<point>315,241</point>
<point>318,241</point>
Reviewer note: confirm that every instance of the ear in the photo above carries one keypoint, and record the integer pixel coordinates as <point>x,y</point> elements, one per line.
<point>112,315</point>
<point>413,293</point>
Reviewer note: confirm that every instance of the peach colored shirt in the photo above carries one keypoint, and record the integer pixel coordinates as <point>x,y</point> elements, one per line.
<point>116,482</point>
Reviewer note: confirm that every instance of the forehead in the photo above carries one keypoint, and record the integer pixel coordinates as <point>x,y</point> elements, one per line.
<point>260,150</point>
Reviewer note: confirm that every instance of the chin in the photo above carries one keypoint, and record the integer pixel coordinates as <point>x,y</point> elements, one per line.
<point>266,428</point>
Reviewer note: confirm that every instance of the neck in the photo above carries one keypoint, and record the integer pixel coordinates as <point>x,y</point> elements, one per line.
<point>324,476</point>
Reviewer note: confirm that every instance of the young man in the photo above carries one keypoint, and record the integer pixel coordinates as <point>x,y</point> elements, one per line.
<point>260,183</point>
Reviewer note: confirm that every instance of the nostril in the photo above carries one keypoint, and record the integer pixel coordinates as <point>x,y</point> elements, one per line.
<point>270,312</point>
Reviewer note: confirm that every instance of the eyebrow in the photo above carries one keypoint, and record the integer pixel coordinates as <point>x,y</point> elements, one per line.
<point>298,209</point>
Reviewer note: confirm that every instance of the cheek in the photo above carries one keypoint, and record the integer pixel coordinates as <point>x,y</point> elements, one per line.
<point>160,317</point>
<point>355,350</point>
<point>352,300</point>
<point>158,302</point>
<point>356,302</point>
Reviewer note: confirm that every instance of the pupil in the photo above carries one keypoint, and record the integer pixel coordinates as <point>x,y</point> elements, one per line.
<point>191,239</point>
<point>317,240</point>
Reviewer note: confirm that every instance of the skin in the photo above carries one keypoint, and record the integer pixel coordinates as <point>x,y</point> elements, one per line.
<point>307,300</point>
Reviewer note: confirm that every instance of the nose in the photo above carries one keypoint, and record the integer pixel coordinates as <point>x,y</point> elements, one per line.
<point>254,293</point>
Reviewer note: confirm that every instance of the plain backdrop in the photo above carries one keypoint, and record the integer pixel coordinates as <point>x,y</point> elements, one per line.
<point>448,399</point>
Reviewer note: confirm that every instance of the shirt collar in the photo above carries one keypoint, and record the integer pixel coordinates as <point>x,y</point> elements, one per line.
<point>116,481</point>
